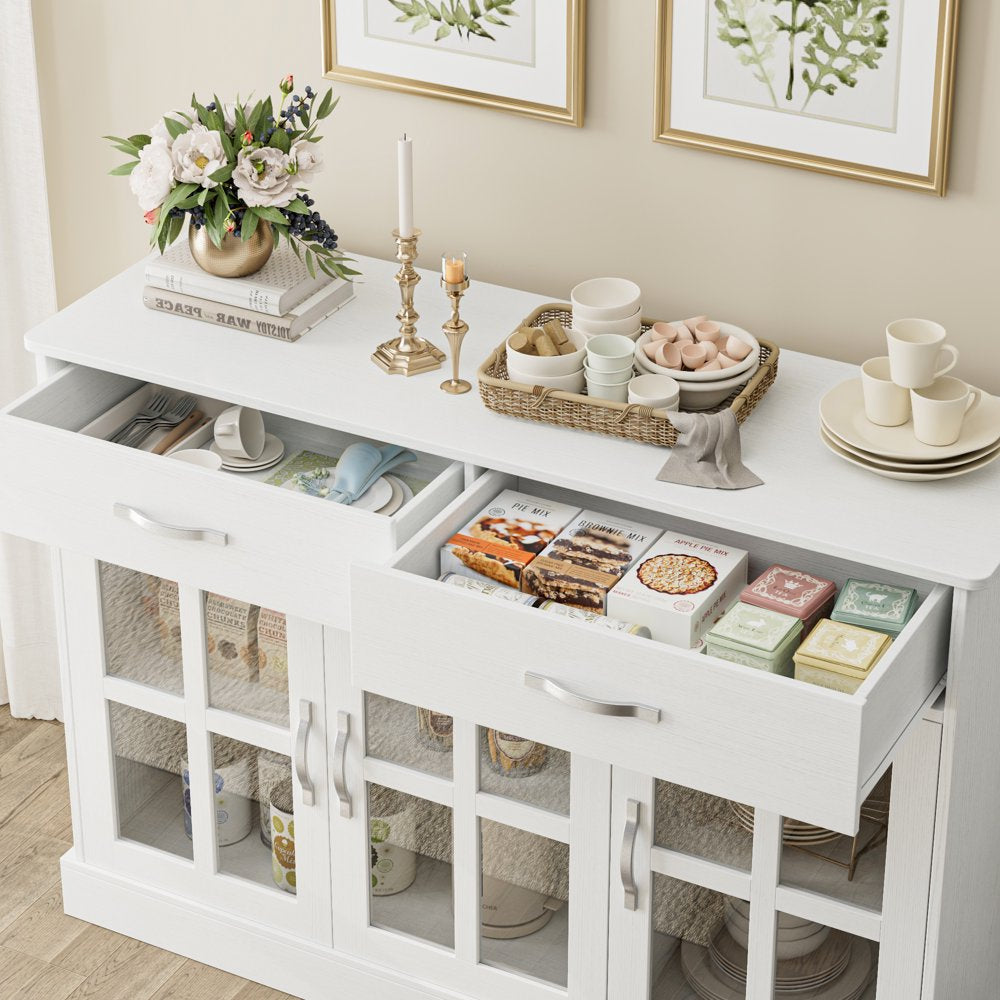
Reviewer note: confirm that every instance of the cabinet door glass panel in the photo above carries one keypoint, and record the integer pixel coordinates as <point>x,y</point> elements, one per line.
<point>152,798</point>
<point>851,869</point>
<point>699,942</point>
<point>525,902</point>
<point>254,814</point>
<point>706,826</point>
<point>519,768</point>
<point>411,866</point>
<point>247,659</point>
<point>813,960</point>
<point>404,734</point>
<point>142,628</point>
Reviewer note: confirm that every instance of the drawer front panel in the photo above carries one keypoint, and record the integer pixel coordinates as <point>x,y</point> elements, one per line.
<point>784,746</point>
<point>206,528</point>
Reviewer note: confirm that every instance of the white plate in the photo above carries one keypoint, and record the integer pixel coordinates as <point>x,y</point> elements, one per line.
<point>240,470</point>
<point>377,496</point>
<point>399,490</point>
<point>842,411</point>
<point>274,450</point>
<point>909,477</point>
<point>886,463</point>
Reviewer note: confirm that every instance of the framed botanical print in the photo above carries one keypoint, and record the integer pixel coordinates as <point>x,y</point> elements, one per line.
<point>525,56</point>
<point>860,88</point>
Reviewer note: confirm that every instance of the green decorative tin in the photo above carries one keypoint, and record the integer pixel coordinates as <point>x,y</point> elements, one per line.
<point>755,637</point>
<point>882,607</point>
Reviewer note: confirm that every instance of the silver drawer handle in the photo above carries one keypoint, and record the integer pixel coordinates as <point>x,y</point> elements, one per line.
<point>627,863</point>
<point>616,708</point>
<point>301,741</point>
<point>209,535</point>
<point>340,763</point>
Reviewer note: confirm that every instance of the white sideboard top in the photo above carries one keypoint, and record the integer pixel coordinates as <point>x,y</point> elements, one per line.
<point>946,531</point>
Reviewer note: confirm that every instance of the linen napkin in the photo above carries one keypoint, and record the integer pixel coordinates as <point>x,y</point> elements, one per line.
<point>707,453</point>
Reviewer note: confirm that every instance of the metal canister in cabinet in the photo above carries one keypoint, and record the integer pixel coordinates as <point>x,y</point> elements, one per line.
<point>495,590</point>
<point>598,621</point>
<point>282,822</point>
<point>513,756</point>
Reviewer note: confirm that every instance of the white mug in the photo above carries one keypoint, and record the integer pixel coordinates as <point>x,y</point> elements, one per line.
<point>239,432</point>
<point>940,409</point>
<point>886,403</point>
<point>915,349</point>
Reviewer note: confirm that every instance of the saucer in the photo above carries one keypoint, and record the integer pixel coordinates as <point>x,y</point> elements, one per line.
<point>377,496</point>
<point>274,450</point>
<point>401,494</point>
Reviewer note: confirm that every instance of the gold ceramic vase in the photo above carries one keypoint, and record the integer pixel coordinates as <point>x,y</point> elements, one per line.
<point>236,258</point>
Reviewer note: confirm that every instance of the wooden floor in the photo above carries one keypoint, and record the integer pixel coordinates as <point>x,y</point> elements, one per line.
<point>45,955</point>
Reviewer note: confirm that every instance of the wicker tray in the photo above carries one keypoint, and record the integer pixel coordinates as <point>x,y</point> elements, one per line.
<point>625,420</point>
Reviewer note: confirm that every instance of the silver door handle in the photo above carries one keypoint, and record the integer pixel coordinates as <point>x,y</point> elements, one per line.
<point>340,763</point>
<point>301,741</point>
<point>616,708</point>
<point>209,535</point>
<point>627,862</point>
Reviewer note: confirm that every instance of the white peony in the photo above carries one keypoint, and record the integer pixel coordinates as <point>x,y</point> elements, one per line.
<point>153,177</point>
<point>262,177</point>
<point>307,161</point>
<point>159,132</point>
<point>197,154</point>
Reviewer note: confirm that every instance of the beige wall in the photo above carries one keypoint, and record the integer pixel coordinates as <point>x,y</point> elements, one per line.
<point>816,263</point>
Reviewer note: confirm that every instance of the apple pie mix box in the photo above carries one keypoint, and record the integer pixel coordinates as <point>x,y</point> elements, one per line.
<point>680,588</point>
<point>586,560</point>
<point>505,537</point>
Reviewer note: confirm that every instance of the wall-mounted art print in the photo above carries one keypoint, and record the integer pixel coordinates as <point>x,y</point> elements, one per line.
<point>861,88</point>
<point>525,56</point>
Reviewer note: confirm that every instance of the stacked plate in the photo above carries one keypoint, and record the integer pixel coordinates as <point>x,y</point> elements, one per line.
<point>793,832</point>
<point>895,452</point>
<point>385,496</point>
<point>273,453</point>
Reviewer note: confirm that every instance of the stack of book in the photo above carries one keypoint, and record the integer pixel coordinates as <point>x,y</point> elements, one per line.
<point>282,300</point>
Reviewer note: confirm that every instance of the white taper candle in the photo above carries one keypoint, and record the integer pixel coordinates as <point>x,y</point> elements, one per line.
<point>405,186</point>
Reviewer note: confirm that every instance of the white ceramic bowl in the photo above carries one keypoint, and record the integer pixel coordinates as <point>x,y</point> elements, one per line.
<point>630,327</point>
<point>705,395</point>
<point>606,298</point>
<point>609,352</point>
<point>573,382</point>
<point>614,393</point>
<point>658,391</point>
<point>563,364</point>
<point>196,456</point>
<point>609,378</point>
<point>751,361</point>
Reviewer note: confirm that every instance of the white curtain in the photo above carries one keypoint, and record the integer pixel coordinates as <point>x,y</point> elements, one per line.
<point>29,675</point>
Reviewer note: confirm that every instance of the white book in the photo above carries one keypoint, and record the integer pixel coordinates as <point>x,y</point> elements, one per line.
<point>277,288</point>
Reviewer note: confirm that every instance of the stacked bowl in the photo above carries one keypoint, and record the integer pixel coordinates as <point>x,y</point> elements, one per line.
<point>710,360</point>
<point>564,371</point>
<point>608,366</point>
<point>604,306</point>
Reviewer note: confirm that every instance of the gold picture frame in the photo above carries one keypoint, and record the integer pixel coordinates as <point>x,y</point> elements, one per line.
<point>570,112</point>
<point>933,180</point>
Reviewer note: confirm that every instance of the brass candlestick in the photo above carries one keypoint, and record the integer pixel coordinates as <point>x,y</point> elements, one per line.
<point>408,354</point>
<point>455,330</point>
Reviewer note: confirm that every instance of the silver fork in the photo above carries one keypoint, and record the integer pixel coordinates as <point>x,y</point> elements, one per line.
<point>150,412</point>
<point>178,411</point>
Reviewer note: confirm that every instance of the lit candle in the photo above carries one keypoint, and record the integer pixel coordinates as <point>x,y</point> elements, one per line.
<point>453,269</point>
<point>405,153</point>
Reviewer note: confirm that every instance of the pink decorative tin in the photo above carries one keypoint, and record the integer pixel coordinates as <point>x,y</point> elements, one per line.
<point>792,592</point>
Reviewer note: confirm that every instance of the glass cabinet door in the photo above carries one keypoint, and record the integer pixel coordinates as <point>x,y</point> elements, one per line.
<point>212,731</point>
<point>481,854</point>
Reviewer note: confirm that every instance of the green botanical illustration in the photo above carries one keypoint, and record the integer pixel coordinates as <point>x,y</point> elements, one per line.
<point>465,17</point>
<point>840,39</point>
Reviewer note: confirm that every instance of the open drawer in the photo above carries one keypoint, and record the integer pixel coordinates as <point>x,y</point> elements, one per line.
<point>217,530</point>
<point>729,730</point>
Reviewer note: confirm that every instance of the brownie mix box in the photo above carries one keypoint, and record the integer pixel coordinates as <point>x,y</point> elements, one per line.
<point>505,537</point>
<point>586,560</point>
<point>680,588</point>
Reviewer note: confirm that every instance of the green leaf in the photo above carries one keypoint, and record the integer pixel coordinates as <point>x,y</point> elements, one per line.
<point>124,169</point>
<point>175,128</point>
<point>310,263</point>
<point>202,196</point>
<point>227,147</point>
<point>176,225</point>
<point>493,19</point>
<point>298,206</point>
<point>249,225</point>
<point>271,214</point>
<point>432,10</point>
<point>253,122</point>
<point>443,32</point>
<point>223,174</point>
<point>139,140</point>
<point>421,22</point>
<point>325,106</point>
<point>474,9</point>
<point>281,140</point>
<point>127,149</point>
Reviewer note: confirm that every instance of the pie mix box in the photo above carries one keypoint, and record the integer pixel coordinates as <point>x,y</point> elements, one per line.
<point>680,588</point>
<point>505,537</point>
<point>231,628</point>
<point>586,560</point>
<point>272,650</point>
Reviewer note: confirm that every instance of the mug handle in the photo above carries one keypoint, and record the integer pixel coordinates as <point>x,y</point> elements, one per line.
<point>226,425</point>
<point>953,351</point>
<point>975,398</point>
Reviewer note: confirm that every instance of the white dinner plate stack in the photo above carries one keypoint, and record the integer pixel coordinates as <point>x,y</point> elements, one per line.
<point>792,832</point>
<point>895,452</point>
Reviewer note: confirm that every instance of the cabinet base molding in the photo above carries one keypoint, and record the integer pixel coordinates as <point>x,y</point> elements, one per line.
<point>220,940</point>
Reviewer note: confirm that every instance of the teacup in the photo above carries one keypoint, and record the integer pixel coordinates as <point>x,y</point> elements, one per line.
<point>940,409</point>
<point>886,403</point>
<point>915,349</point>
<point>239,432</point>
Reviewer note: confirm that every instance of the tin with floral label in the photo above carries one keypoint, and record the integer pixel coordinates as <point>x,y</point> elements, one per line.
<point>792,592</point>
<point>839,648</point>
<point>755,637</point>
<point>879,606</point>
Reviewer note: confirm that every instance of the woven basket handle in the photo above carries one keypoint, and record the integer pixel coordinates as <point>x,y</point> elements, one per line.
<point>541,393</point>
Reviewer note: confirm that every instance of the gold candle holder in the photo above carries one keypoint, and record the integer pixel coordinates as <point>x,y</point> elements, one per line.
<point>455,329</point>
<point>408,354</point>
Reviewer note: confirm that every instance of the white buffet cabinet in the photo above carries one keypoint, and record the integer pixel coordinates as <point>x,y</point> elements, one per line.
<point>628,833</point>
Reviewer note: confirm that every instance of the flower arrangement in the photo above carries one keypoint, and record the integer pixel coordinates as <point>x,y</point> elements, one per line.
<point>230,168</point>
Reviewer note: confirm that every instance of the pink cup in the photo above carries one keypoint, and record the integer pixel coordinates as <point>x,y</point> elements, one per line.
<point>694,355</point>
<point>706,331</point>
